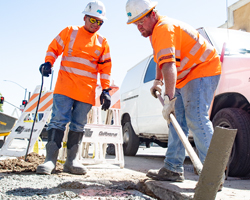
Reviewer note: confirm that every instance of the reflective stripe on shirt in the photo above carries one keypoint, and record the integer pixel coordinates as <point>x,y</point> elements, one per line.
<point>78,72</point>
<point>105,76</point>
<point>79,60</point>
<point>183,74</point>
<point>170,51</point>
<point>72,39</point>
<point>199,42</point>
<point>206,53</point>
<point>104,57</point>
<point>51,54</point>
<point>59,41</point>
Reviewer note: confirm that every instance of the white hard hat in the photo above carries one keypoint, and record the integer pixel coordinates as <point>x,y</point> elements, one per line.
<point>95,9</point>
<point>136,9</point>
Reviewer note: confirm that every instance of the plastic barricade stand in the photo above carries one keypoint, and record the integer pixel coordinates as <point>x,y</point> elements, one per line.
<point>102,128</point>
<point>99,135</point>
<point>17,141</point>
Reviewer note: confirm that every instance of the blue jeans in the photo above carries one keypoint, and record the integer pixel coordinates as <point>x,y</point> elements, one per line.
<point>66,110</point>
<point>191,109</point>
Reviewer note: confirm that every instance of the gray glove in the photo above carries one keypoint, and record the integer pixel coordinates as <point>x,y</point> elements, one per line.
<point>168,108</point>
<point>156,87</point>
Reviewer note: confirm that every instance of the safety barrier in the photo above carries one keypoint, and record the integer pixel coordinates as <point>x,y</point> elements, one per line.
<point>100,135</point>
<point>97,136</point>
<point>17,141</point>
<point>103,128</point>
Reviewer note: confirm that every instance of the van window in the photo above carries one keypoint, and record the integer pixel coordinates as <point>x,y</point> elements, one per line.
<point>150,73</point>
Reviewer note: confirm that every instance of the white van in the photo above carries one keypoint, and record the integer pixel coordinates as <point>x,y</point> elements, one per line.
<point>141,113</point>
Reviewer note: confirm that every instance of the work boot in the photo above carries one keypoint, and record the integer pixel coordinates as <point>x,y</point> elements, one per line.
<point>53,145</point>
<point>165,175</point>
<point>72,165</point>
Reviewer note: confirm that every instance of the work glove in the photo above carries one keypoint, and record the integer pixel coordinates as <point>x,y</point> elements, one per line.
<point>168,108</point>
<point>105,99</point>
<point>45,69</point>
<point>156,87</point>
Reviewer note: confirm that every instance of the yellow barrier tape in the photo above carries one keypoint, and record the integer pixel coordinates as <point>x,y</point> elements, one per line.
<point>4,134</point>
<point>36,148</point>
<point>36,145</point>
<point>93,153</point>
<point>29,121</point>
<point>41,142</point>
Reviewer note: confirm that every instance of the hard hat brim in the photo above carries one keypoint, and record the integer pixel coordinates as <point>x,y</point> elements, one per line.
<point>138,17</point>
<point>91,14</point>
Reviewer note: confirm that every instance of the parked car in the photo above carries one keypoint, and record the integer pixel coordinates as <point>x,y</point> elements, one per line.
<point>141,114</point>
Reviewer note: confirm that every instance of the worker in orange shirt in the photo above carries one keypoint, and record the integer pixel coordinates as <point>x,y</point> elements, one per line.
<point>85,53</point>
<point>190,69</point>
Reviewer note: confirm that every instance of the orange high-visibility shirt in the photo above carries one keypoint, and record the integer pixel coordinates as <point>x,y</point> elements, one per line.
<point>194,56</point>
<point>84,55</point>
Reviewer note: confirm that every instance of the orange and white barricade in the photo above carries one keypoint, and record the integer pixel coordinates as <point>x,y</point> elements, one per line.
<point>17,142</point>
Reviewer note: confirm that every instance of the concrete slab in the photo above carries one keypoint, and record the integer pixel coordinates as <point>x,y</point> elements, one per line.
<point>234,188</point>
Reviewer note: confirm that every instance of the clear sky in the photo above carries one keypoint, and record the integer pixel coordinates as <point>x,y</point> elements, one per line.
<point>29,26</point>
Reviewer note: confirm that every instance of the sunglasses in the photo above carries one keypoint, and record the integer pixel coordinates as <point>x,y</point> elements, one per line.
<point>93,20</point>
<point>141,21</point>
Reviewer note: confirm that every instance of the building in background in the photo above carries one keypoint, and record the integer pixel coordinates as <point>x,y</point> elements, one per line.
<point>238,16</point>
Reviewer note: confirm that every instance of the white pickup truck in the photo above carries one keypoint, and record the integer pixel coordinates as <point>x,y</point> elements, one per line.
<point>141,116</point>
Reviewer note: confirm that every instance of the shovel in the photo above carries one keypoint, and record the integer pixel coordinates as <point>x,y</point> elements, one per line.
<point>193,156</point>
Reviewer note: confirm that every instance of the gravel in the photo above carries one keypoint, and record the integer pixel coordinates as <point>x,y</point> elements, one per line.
<point>32,186</point>
<point>18,180</point>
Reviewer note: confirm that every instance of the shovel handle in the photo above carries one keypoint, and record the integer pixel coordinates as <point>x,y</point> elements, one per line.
<point>193,156</point>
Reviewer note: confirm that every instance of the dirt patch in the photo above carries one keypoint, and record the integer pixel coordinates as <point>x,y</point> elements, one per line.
<point>21,165</point>
<point>18,180</point>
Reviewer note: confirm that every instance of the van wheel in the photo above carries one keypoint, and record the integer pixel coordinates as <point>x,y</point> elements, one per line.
<point>131,141</point>
<point>235,118</point>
